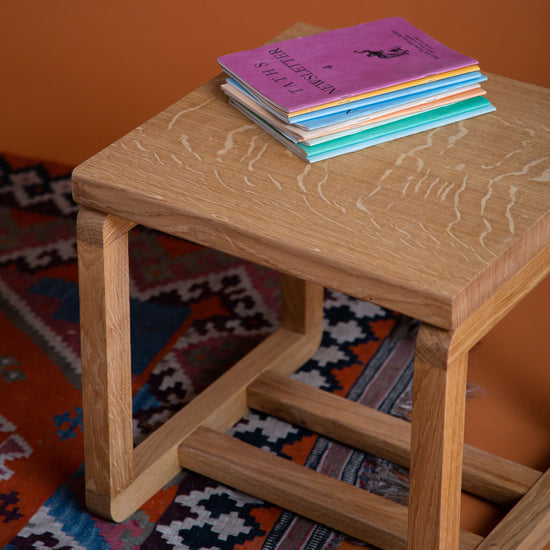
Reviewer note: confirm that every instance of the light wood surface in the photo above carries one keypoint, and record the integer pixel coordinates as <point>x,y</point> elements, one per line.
<point>451,226</point>
<point>105,340</point>
<point>500,304</point>
<point>307,492</point>
<point>488,476</point>
<point>119,479</point>
<point>437,439</point>
<point>527,526</point>
<point>218,407</point>
<point>302,306</point>
<point>430,225</point>
<point>296,488</point>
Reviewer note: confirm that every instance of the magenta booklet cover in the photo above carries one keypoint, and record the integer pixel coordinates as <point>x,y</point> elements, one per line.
<point>334,65</point>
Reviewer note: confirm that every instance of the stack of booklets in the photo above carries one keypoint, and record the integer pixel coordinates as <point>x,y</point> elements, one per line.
<point>344,90</point>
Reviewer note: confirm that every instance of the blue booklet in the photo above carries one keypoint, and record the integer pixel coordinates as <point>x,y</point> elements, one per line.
<point>366,106</point>
<point>385,132</point>
<point>385,101</point>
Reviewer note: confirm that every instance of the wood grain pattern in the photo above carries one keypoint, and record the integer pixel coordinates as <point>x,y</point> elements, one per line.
<point>100,229</point>
<point>302,305</point>
<point>430,225</point>
<point>437,438</point>
<point>473,329</point>
<point>295,488</point>
<point>224,402</point>
<point>307,492</point>
<point>488,476</point>
<point>451,226</point>
<point>219,406</point>
<point>527,526</point>
<point>106,362</point>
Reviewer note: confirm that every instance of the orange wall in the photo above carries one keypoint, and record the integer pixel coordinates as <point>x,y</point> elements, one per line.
<point>77,75</point>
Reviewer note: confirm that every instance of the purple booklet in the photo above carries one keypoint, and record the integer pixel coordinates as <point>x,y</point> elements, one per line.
<point>334,66</point>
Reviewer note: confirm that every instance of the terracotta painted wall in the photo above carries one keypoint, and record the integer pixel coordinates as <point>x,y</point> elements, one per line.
<point>77,75</point>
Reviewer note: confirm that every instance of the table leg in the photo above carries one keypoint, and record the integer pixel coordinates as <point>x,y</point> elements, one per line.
<point>106,362</point>
<point>437,439</point>
<point>119,479</point>
<point>302,305</point>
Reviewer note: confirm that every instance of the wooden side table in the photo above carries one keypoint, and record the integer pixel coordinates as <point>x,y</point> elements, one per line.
<point>451,227</point>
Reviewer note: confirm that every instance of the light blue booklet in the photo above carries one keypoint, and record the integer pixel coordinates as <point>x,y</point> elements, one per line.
<point>386,101</point>
<point>385,132</point>
<point>370,105</point>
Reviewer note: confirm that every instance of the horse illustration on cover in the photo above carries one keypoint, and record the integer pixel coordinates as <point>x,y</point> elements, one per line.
<point>388,53</point>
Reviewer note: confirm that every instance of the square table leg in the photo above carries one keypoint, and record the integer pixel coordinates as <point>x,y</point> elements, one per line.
<point>437,441</point>
<point>106,356</point>
<point>119,479</point>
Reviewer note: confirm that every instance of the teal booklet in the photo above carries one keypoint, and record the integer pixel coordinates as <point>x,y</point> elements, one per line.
<point>342,124</point>
<point>385,132</point>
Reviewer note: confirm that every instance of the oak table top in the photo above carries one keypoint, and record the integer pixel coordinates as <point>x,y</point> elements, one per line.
<point>430,225</point>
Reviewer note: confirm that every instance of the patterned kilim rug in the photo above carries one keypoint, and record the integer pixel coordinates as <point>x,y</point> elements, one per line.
<point>194,313</point>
